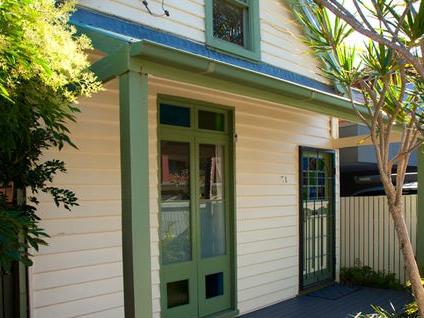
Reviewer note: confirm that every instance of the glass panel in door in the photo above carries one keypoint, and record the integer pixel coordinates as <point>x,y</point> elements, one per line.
<point>212,208</point>
<point>178,279</point>
<point>175,219</point>
<point>214,265</point>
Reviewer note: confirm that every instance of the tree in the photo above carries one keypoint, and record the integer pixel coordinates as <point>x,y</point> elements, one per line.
<point>43,70</point>
<point>397,24</point>
<point>391,89</point>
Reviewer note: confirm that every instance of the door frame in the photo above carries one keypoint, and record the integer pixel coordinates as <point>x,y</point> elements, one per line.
<point>333,259</point>
<point>186,134</point>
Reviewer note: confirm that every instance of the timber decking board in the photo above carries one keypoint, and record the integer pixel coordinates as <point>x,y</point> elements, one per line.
<point>305,306</point>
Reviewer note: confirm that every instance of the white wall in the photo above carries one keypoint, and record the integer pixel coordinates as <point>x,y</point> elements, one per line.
<point>80,273</point>
<point>281,37</point>
<point>267,210</point>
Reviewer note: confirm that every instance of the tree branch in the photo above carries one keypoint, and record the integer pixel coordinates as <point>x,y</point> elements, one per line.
<point>349,18</point>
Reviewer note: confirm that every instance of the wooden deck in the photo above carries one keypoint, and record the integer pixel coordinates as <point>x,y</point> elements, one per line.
<point>334,302</point>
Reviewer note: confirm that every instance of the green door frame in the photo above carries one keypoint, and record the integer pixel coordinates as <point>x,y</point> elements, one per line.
<point>303,284</point>
<point>192,270</point>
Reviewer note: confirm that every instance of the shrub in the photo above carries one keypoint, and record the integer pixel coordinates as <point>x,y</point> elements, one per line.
<point>366,276</point>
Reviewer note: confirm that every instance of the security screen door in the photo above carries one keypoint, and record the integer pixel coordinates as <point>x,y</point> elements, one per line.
<point>195,249</point>
<point>317,241</point>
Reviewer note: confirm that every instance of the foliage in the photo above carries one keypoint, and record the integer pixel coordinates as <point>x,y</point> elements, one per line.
<point>43,70</point>
<point>380,312</point>
<point>390,84</point>
<point>409,311</point>
<point>366,276</point>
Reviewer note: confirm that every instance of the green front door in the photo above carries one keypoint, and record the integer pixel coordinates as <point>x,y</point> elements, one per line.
<point>195,213</point>
<point>317,217</point>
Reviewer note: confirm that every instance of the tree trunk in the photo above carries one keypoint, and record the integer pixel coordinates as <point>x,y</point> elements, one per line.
<point>408,254</point>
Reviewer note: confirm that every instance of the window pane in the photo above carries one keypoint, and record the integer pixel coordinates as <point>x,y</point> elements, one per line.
<point>175,176</point>
<point>211,121</point>
<point>174,115</point>
<point>177,293</point>
<point>211,172</point>
<point>175,234</point>
<point>175,217</point>
<point>228,20</point>
<point>212,218</point>
<point>214,285</point>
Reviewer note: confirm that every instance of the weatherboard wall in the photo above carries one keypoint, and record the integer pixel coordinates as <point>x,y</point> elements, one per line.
<point>80,273</point>
<point>281,37</point>
<point>267,209</point>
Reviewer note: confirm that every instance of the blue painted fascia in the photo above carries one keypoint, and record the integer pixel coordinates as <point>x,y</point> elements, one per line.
<point>133,32</point>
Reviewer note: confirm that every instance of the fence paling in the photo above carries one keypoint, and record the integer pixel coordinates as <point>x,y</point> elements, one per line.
<point>368,235</point>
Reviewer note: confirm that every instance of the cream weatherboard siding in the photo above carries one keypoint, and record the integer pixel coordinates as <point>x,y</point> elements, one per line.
<point>281,40</point>
<point>281,37</point>
<point>267,210</point>
<point>80,273</point>
<point>187,16</point>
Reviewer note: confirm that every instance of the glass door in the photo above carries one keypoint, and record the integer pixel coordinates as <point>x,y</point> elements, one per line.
<point>317,239</point>
<point>194,222</point>
<point>214,261</point>
<point>178,278</point>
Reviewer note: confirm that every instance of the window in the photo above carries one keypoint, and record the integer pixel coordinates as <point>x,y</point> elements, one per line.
<point>233,26</point>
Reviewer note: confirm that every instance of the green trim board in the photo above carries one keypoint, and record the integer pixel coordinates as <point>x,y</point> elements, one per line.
<point>195,269</point>
<point>167,62</point>
<point>133,92</point>
<point>107,42</point>
<point>251,30</point>
<point>420,210</point>
<point>112,65</point>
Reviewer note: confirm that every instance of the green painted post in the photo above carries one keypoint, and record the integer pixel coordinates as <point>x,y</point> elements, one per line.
<point>135,194</point>
<point>420,209</point>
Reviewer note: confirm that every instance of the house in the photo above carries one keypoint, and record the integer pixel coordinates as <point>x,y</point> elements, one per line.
<point>358,165</point>
<point>207,170</point>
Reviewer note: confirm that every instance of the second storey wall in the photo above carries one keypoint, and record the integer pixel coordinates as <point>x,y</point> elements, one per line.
<point>281,37</point>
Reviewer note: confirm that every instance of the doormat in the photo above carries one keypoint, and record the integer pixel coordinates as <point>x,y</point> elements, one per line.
<point>333,292</point>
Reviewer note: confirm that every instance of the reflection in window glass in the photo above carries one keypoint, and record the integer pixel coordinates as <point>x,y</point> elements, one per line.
<point>228,21</point>
<point>175,218</point>
<point>175,234</point>
<point>175,176</point>
<point>174,115</point>
<point>212,206</point>
<point>211,120</point>
<point>211,172</point>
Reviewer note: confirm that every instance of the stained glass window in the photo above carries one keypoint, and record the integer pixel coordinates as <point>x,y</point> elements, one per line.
<point>233,26</point>
<point>228,21</point>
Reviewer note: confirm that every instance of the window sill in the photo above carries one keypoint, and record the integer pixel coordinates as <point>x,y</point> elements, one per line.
<point>233,49</point>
